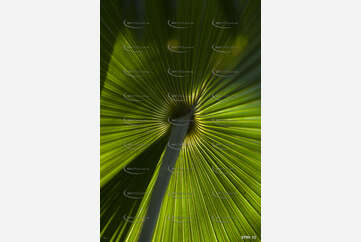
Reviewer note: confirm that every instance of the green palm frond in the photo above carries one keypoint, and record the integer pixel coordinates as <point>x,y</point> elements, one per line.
<point>170,60</point>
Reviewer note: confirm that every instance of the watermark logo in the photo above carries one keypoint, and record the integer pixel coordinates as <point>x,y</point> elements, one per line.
<point>219,98</point>
<point>180,174</point>
<point>133,121</point>
<point>134,97</point>
<point>224,73</point>
<point>179,24</point>
<point>134,146</point>
<point>133,195</point>
<point>227,97</point>
<point>179,170</point>
<point>178,146</point>
<point>223,219</point>
<point>223,24</point>
<point>178,97</point>
<point>134,219</point>
<point>180,195</point>
<point>135,49</point>
<point>223,49</point>
<point>218,122</point>
<point>179,219</point>
<point>178,73</point>
<point>223,195</point>
<point>175,146</point>
<point>179,49</point>
<point>177,122</point>
<point>220,170</point>
<point>135,24</point>
<point>243,237</point>
<point>136,73</point>
<point>136,170</point>
<point>220,146</point>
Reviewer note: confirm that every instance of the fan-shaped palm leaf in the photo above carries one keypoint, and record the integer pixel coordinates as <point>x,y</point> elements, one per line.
<point>161,60</point>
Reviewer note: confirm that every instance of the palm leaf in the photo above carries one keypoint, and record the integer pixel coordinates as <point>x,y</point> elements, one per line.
<point>203,55</point>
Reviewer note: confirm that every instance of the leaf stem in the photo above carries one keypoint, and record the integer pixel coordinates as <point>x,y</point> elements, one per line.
<point>177,135</point>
